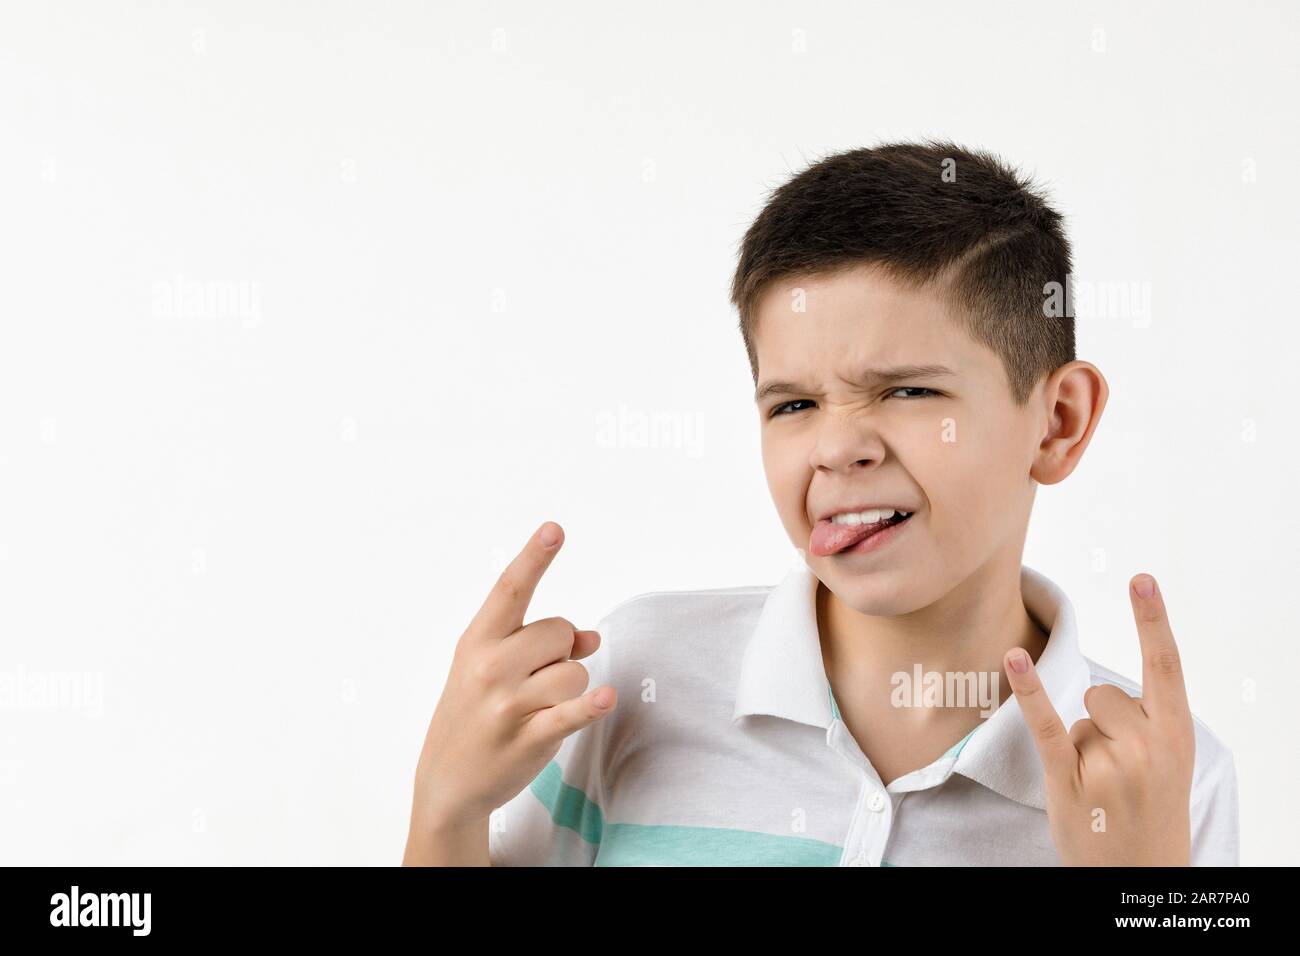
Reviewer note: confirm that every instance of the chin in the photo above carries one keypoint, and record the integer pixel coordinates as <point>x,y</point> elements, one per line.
<point>882,592</point>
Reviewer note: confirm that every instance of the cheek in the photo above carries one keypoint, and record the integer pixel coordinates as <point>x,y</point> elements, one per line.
<point>787,479</point>
<point>968,481</point>
<point>776,465</point>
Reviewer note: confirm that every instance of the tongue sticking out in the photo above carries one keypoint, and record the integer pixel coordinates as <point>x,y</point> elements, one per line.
<point>831,538</point>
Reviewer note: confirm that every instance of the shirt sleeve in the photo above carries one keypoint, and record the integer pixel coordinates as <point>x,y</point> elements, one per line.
<point>557,819</point>
<point>1216,835</point>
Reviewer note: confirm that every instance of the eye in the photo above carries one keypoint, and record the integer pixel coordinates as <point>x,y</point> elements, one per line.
<point>911,388</point>
<point>777,410</point>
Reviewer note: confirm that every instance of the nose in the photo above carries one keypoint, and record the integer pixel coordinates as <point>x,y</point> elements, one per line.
<point>847,444</point>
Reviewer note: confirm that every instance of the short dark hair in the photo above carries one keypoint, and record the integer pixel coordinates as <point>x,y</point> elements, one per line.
<point>986,233</point>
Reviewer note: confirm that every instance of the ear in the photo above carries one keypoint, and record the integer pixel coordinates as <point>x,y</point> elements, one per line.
<point>1074,397</point>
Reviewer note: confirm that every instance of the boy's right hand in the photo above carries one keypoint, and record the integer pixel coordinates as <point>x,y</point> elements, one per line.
<point>513,694</point>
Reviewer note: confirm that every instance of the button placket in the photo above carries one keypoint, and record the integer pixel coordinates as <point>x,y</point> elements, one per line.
<point>868,831</point>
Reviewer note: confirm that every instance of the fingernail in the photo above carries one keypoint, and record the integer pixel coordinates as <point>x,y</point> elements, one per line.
<point>601,698</point>
<point>1018,660</point>
<point>550,535</point>
<point>1145,586</point>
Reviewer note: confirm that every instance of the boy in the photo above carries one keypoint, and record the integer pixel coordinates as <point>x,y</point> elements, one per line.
<point>914,387</point>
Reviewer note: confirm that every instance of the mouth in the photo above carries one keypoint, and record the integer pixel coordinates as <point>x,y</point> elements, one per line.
<point>838,537</point>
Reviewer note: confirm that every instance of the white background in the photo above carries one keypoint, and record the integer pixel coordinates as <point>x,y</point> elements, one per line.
<point>458,241</point>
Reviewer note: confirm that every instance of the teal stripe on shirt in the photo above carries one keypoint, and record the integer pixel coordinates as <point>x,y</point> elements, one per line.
<point>637,844</point>
<point>955,749</point>
<point>568,806</point>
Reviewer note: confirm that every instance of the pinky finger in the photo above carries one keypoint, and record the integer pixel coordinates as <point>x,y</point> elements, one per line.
<point>555,723</point>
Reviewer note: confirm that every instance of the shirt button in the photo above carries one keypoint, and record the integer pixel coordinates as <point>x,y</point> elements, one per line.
<point>876,802</point>
<point>860,859</point>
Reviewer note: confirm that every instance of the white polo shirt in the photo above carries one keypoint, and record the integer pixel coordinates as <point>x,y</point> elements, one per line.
<point>726,749</point>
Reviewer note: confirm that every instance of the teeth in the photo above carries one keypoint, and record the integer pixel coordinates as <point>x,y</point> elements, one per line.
<point>867,517</point>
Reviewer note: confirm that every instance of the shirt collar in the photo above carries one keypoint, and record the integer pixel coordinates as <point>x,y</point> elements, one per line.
<point>782,675</point>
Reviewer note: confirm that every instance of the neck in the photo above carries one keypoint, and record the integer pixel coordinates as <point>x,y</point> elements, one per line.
<point>969,629</point>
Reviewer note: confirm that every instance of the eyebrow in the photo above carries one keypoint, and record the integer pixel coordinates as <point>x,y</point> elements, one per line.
<point>867,378</point>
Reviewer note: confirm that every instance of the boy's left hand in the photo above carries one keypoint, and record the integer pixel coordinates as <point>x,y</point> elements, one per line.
<point>1119,783</point>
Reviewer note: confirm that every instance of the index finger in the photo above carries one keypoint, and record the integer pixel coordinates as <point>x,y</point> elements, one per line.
<point>1163,688</point>
<point>503,611</point>
<point>1055,748</point>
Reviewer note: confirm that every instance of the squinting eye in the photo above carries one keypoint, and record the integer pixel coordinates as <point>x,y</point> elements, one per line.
<point>777,410</point>
<point>911,388</point>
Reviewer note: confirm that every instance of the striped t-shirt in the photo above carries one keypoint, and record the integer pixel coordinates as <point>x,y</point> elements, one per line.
<point>726,748</point>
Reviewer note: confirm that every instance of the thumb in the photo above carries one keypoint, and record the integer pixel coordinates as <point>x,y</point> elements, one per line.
<point>1055,748</point>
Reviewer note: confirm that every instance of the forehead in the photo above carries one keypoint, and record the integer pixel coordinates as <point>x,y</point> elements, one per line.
<point>856,314</point>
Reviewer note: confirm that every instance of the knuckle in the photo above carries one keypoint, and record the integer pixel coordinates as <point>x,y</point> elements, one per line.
<point>559,626</point>
<point>1136,751</point>
<point>1103,691</point>
<point>1104,771</point>
<point>1165,661</point>
<point>1149,613</point>
<point>1047,728</point>
<point>565,680</point>
<point>577,678</point>
<point>556,722</point>
<point>483,669</point>
<point>502,709</point>
<point>1031,692</point>
<point>508,585</point>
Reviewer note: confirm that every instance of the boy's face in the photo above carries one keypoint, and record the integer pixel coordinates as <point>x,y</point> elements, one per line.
<point>958,455</point>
